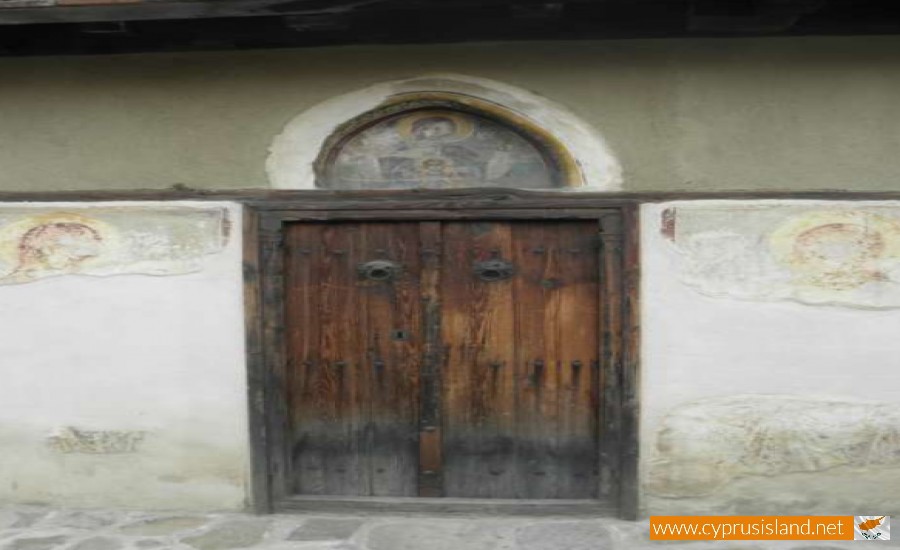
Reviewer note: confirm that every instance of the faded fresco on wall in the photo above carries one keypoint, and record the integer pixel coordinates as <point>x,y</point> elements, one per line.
<point>71,440</point>
<point>842,254</point>
<point>437,149</point>
<point>36,243</point>
<point>704,445</point>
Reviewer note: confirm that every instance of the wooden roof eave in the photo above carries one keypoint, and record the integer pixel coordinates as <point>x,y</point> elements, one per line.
<point>29,12</point>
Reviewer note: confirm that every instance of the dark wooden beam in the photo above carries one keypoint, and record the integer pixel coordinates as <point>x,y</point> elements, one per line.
<point>99,27</point>
<point>272,199</point>
<point>26,12</point>
<point>142,10</point>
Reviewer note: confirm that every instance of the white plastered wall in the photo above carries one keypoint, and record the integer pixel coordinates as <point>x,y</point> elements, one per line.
<point>758,394</point>
<point>129,389</point>
<point>754,399</point>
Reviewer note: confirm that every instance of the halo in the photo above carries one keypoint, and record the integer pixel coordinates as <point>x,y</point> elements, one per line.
<point>465,127</point>
<point>786,242</point>
<point>11,234</point>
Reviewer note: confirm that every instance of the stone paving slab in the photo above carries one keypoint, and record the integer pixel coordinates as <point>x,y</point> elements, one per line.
<point>36,528</point>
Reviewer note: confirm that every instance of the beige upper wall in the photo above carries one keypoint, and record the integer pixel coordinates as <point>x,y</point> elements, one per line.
<point>792,113</point>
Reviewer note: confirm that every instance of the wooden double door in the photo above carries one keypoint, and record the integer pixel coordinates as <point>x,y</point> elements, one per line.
<point>454,359</point>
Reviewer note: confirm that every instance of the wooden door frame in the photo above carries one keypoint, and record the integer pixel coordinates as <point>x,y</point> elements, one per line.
<point>264,229</point>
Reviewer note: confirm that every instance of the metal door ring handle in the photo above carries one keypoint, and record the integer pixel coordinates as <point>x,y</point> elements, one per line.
<point>494,270</point>
<point>379,270</point>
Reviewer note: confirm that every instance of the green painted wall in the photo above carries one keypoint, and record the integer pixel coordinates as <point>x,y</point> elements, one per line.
<point>793,113</point>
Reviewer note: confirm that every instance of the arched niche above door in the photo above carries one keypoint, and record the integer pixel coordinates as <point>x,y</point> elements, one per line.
<point>439,142</point>
<point>443,131</point>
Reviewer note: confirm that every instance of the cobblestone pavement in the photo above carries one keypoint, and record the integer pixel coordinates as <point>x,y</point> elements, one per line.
<point>34,528</point>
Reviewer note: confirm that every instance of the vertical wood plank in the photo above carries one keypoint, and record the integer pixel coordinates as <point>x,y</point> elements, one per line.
<point>629,505</point>
<point>272,262</point>
<point>430,422</point>
<point>611,305</point>
<point>538,357</point>
<point>390,349</point>
<point>346,472</point>
<point>325,396</point>
<point>479,421</point>
<point>257,374</point>
<point>557,344</point>
<point>576,327</point>
<point>309,389</point>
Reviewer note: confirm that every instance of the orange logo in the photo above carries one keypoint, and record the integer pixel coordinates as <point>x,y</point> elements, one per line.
<point>870,523</point>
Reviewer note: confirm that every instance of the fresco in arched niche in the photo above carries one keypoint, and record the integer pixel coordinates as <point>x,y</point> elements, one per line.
<point>36,243</point>
<point>438,149</point>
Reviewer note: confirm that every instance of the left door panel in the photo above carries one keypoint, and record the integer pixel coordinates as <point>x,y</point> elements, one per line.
<point>354,348</point>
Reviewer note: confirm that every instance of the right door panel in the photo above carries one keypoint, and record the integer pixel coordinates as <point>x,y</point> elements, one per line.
<point>520,332</point>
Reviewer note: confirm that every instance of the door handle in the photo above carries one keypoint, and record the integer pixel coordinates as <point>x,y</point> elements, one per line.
<point>379,270</point>
<point>493,270</point>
